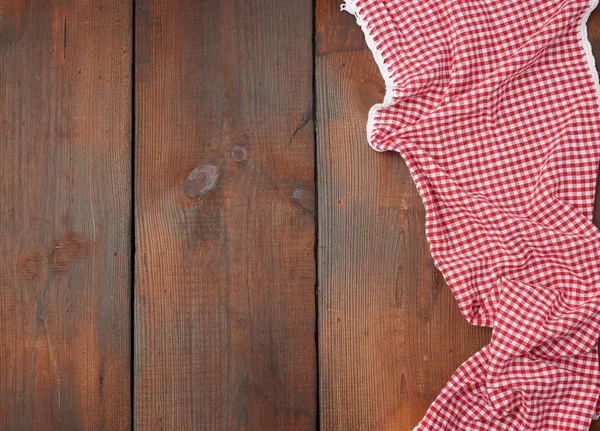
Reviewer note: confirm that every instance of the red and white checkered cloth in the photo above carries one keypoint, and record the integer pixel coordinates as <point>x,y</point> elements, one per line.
<point>494,106</point>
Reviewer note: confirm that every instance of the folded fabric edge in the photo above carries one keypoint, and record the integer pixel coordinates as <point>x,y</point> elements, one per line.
<point>350,6</point>
<point>587,47</point>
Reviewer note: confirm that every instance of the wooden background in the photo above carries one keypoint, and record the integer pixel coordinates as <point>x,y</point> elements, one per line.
<point>194,233</point>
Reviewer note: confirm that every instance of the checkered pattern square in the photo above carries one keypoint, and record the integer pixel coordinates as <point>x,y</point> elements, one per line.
<point>494,107</point>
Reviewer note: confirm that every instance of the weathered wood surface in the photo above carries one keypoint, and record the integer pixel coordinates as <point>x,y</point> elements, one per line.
<point>65,181</point>
<point>225,231</point>
<point>225,225</point>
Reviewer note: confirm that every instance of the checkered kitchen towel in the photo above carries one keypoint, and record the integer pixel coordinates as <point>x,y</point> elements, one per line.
<point>494,107</point>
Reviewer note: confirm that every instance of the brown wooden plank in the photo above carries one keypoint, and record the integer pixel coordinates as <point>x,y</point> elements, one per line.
<point>65,151</point>
<point>225,271</point>
<point>390,333</point>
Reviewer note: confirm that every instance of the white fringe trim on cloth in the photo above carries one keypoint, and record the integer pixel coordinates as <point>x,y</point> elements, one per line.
<point>350,7</point>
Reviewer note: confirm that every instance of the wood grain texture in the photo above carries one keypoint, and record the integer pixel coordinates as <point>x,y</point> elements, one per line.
<point>65,147</point>
<point>225,270</point>
<point>390,333</point>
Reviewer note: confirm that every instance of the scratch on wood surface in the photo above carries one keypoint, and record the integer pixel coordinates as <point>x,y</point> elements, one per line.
<point>40,302</point>
<point>299,127</point>
<point>54,365</point>
<point>65,39</point>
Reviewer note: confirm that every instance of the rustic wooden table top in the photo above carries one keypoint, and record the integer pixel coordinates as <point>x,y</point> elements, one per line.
<point>194,231</point>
